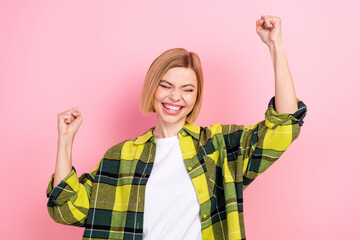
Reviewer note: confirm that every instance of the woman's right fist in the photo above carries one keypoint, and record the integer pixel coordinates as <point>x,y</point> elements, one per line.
<point>69,122</point>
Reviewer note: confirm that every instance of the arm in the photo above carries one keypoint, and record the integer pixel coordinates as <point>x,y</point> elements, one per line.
<point>269,30</point>
<point>68,202</point>
<point>263,143</point>
<point>63,164</point>
<point>68,196</point>
<point>254,148</point>
<point>69,123</point>
<point>285,98</point>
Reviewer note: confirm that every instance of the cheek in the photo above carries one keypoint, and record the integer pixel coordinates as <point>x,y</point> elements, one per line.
<point>191,99</point>
<point>157,99</point>
<point>158,94</point>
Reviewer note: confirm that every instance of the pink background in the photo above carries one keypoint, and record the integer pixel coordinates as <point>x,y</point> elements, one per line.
<point>94,55</point>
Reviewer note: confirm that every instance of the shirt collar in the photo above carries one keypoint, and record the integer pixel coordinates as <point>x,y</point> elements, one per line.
<point>188,129</point>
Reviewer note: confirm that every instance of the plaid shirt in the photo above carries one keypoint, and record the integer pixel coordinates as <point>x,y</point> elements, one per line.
<point>222,160</point>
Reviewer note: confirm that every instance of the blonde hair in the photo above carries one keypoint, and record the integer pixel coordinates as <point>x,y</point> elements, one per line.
<point>175,57</point>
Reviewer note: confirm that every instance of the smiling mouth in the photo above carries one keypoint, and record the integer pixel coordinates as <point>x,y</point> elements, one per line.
<point>172,108</point>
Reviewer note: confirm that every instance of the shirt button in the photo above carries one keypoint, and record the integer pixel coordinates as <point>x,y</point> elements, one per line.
<point>183,133</point>
<point>204,216</point>
<point>189,168</point>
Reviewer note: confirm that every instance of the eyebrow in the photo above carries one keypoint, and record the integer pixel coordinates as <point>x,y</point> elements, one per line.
<point>186,85</point>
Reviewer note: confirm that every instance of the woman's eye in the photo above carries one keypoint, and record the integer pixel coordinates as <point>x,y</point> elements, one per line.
<point>164,86</point>
<point>189,90</point>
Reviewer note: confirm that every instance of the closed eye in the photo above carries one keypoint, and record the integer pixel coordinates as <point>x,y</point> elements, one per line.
<point>167,87</point>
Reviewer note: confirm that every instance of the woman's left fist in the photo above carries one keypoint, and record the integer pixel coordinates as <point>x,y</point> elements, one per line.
<point>269,29</point>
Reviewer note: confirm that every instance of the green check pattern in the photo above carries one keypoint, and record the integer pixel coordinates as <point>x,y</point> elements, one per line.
<point>221,160</point>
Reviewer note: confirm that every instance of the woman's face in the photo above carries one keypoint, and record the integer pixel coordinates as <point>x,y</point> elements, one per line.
<point>176,94</point>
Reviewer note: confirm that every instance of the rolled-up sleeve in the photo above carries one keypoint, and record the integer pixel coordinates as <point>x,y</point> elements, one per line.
<point>254,148</point>
<point>263,143</point>
<point>68,202</point>
<point>273,119</point>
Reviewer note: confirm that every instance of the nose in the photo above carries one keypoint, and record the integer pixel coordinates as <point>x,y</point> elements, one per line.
<point>175,95</point>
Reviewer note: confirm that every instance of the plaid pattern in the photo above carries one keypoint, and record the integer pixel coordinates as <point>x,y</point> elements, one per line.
<point>222,160</point>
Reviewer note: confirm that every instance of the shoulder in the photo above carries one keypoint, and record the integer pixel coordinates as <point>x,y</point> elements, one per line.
<point>212,130</point>
<point>223,129</point>
<point>116,149</point>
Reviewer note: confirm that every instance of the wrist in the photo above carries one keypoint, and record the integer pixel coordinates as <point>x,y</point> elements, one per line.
<point>275,45</point>
<point>66,138</point>
<point>276,48</point>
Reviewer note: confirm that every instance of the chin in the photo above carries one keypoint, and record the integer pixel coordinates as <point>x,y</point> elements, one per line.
<point>170,120</point>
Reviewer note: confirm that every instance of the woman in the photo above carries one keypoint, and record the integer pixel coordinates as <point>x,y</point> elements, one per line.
<point>193,177</point>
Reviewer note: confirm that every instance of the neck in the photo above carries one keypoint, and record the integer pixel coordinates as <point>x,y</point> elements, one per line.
<point>165,130</point>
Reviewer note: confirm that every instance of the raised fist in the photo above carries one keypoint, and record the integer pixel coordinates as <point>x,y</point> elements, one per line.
<point>69,122</point>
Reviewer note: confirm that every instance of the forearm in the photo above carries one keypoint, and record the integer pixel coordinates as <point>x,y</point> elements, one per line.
<point>63,162</point>
<point>285,97</point>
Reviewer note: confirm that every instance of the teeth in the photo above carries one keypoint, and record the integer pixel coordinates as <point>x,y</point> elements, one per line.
<point>172,108</point>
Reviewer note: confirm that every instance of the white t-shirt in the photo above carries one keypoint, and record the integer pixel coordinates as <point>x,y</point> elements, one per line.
<point>172,209</point>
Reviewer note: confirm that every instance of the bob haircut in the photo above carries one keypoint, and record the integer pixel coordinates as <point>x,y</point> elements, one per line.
<point>175,57</point>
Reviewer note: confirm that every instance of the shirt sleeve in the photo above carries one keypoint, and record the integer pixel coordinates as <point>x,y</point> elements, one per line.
<point>254,148</point>
<point>68,202</point>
